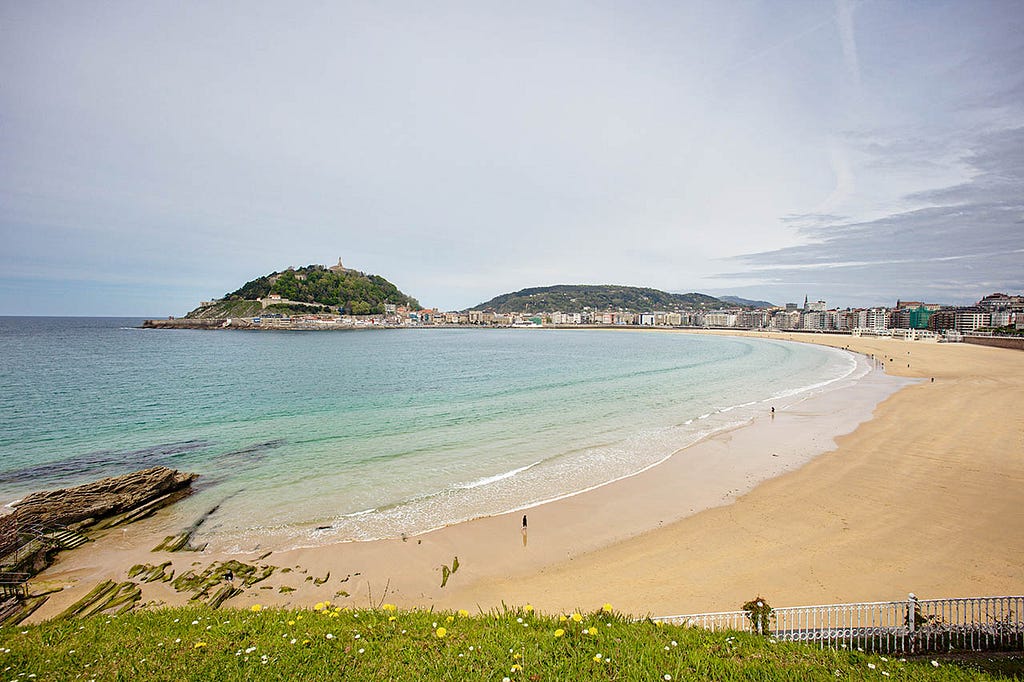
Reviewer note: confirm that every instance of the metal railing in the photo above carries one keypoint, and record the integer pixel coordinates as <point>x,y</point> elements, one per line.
<point>914,625</point>
<point>14,585</point>
<point>27,539</point>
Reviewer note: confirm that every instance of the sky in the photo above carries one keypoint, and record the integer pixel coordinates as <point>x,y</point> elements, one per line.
<point>155,154</point>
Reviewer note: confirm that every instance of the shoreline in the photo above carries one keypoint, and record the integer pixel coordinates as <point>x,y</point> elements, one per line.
<point>804,394</point>
<point>576,550</point>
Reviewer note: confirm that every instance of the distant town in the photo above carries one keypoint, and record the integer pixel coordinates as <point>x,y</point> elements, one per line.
<point>994,315</point>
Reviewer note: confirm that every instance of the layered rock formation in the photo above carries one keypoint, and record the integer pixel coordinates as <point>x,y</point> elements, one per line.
<point>100,499</point>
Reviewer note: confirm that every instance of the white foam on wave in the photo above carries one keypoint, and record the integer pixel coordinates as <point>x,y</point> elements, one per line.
<point>486,480</point>
<point>852,367</point>
<point>361,512</point>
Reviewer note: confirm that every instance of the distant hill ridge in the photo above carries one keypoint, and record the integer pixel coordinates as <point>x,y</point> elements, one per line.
<point>574,298</point>
<point>310,289</point>
<point>746,302</point>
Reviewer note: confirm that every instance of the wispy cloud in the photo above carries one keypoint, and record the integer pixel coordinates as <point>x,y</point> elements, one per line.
<point>848,39</point>
<point>964,241</point>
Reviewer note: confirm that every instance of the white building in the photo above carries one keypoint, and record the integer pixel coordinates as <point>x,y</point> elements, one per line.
<point>968,319</point>
<point>719,319</point>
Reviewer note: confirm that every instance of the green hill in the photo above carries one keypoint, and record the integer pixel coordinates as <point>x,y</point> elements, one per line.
<point>312,288</point>
<point>574,298</point>
<point>746,302</point>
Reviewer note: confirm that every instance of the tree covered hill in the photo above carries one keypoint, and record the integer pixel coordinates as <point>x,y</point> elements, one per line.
<point>315,286</point>
<point>574,298</point>
<point>746,302</point>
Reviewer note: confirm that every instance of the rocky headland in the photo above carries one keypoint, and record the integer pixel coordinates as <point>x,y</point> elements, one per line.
<point>46,522</point>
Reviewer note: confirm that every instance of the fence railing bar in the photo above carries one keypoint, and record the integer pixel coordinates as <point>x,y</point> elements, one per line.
<point>976,623</point>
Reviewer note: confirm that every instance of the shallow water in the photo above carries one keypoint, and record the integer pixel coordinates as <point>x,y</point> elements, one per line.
<point>374,433</point>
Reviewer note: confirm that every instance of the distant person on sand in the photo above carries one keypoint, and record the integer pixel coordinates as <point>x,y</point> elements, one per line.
<point>524,520</point>
<point>230,576</point>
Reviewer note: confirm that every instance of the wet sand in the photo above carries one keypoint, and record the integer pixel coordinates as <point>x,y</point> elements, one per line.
<point>923,496</point>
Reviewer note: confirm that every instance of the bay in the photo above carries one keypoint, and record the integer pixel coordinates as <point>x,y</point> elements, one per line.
<point>314,437</point>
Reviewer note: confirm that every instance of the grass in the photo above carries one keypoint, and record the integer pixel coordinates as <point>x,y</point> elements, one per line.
<point>199,643</point>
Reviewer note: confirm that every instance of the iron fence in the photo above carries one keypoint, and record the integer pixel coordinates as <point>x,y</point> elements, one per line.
<point>913,625</point>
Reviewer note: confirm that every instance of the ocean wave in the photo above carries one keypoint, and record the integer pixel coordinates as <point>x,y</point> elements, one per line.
<point>487,480</point>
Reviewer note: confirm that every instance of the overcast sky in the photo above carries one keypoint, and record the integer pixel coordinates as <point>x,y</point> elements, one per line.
<point>153,154</point>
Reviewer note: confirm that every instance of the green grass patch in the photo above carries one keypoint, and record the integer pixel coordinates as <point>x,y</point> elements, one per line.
<point>200,643</point>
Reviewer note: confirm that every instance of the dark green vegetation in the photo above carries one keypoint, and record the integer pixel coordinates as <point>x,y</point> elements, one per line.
<point>746,302</point>
<point>313,288</point>
<point>575,298</point>
<point>199,643</point>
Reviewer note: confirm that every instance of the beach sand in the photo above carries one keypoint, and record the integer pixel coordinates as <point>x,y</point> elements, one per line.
<point>925,495</point>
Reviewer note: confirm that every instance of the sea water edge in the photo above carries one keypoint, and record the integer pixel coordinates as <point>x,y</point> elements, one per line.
<point>316,438</point>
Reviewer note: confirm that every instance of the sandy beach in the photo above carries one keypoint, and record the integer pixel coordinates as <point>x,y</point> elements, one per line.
<point>921,492</point>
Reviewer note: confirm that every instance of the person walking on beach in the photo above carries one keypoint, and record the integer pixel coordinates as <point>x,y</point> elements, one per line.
<point>524,521</point>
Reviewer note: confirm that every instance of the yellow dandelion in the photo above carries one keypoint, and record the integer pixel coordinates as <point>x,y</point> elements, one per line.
<point>576,618</point>
<point>449,619</point>
<point>528,608</point>
<point>392,619</point>
<point>291,622</point>
<point>562,618</point>
<point>516,667</point>
<point>597,658</point>
<point>388,607</point>
<point>255,608</point>
<point>199,645</point>
<point>516,656</point>
<point>319,606</point>
<point>607,608</point>
<point>463,613</point>
<point>440,632</point>
<point>327,602</point>
<point>559,632</point>
<point>592,631</point>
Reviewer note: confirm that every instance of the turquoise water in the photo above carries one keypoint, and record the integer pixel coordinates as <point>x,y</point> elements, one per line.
<point>312,437</point>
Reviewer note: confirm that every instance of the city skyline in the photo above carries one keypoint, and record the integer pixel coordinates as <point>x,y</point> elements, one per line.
<point>856,152</point>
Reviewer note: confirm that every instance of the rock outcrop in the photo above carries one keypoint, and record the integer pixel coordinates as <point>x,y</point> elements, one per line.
<point>100,499</point>
<point>193,323</point>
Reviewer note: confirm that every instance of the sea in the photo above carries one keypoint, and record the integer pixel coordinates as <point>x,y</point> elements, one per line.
<point>308,438</point>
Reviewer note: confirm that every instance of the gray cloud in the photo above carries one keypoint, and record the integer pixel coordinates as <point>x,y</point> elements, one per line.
<point>966,240</point>
<point>155,154</point>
